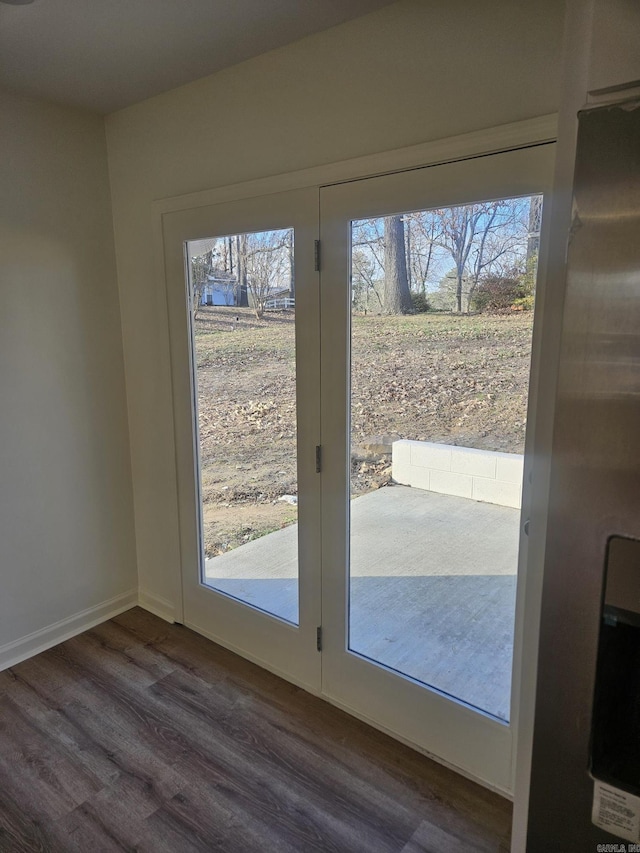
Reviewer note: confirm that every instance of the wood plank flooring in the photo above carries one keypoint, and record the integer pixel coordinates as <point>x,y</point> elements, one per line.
<point>143,736</point>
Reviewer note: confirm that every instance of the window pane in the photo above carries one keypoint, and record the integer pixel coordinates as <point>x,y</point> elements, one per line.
<point>441,345</point>
<point>243,320</point>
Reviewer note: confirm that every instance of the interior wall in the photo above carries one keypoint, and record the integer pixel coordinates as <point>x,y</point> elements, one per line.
<point>66,531</point>
<point>412,72</point>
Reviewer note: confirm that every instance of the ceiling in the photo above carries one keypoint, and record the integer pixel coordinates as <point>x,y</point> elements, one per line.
<point>106,54</point>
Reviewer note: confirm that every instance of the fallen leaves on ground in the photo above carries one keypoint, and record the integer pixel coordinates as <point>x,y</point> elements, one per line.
<point>444,378</point>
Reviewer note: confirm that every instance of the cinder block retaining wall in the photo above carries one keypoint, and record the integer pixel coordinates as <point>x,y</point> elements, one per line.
<point>481,475</point>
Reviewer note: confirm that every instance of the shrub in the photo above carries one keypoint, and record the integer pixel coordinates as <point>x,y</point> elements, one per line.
<point>420,303</point>
<point>496,293</point>
<point>527,296</point>
<point>514,291</point>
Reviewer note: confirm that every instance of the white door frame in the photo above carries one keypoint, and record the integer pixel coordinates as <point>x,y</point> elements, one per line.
<point>506,137</point>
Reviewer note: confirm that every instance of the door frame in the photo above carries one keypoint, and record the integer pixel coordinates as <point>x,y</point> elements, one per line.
<point>162,592</point>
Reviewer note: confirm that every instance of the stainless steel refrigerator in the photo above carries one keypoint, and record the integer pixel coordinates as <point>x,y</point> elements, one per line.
<point>585,783</point>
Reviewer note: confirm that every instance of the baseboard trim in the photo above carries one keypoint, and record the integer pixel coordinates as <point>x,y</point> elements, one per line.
<point>39,641</point>
<point>157,605</point>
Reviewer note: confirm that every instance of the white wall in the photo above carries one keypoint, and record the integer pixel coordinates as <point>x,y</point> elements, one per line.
<point>66,533</point>
<point>412,72</point>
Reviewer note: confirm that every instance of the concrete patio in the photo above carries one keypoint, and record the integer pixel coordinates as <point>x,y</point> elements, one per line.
<point>432,594</point>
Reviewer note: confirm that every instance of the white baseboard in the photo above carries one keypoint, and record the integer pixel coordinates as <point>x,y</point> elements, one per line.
<point>157,605</point>
<point>39,641</point>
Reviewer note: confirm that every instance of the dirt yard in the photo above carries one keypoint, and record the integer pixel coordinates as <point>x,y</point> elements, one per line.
<point>430,377</point>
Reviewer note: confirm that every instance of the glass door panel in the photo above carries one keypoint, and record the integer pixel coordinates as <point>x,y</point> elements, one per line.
<point>427,313</point>
<point>441,322</point>
<point>243,304</point>
<point>243,329</point>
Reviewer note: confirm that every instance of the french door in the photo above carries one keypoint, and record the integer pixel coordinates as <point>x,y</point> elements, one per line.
<point>420,566</point>
<point>243,304</point>
<point>350,514</point>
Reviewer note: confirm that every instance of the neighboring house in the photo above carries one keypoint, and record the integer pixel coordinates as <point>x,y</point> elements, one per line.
<point>220,289</point>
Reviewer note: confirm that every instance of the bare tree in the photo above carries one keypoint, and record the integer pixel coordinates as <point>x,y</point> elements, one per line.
<point>364,280</point>
<point>423,236</point>
<point>397,297</point>
<point>267,266</point>
<point>459,226</point>
<point>367,264</point>
<point>477,236</point>
<point>407,253</point>
<point>368,235</point>
<point>501,241</point>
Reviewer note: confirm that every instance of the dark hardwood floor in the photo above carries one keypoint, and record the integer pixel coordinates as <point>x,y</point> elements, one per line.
<point>143,736</point>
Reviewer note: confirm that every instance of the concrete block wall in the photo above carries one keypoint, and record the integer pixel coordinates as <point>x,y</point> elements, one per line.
<point>480,475</point>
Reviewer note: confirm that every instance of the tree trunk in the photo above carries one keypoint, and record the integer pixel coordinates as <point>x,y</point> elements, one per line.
<point>397,297</point>
<point>423,285</point>
<point>292,269</point>
<point>459,282</point>
<point>241,260</point>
